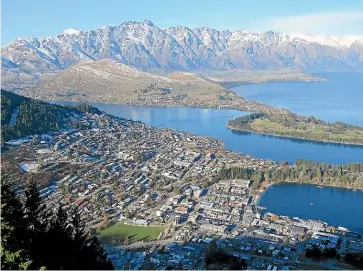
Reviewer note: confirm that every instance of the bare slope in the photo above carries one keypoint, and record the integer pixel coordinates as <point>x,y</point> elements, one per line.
<point>109,81</point>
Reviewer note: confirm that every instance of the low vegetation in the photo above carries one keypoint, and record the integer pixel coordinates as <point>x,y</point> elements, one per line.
<point>112,82</point>
<point>120,233</point>
<point>291,125</point>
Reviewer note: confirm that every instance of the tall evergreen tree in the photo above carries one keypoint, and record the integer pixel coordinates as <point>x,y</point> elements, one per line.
<point>13,230</point>
<point>35,237</point>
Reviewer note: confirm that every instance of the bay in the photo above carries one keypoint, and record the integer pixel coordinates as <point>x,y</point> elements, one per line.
<point>212,122</point>
<point>336,206</point>
<point>338,99</point>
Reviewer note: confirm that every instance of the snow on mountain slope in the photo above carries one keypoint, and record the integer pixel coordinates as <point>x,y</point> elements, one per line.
<point>358,47</point>
<point>108,69</point>
<point>333,41</point>
<point>146,46</point>
<point>70,31</point>
<point>186,76</point>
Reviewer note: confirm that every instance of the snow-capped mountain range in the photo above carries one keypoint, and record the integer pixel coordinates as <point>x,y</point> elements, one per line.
<point>146,46</point>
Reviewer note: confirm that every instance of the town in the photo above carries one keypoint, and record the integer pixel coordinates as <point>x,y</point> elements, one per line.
<point>155,199</point>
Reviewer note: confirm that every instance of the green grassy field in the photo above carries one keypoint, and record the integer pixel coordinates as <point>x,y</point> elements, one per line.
<point>115,234</point>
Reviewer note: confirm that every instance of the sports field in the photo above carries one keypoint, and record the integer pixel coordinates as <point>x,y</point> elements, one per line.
<point>115,234</point>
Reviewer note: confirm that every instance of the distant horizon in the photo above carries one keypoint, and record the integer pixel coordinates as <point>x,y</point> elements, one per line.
<point>43,18</point>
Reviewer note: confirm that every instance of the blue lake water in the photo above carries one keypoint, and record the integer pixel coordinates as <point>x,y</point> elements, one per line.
<point>338,99</point>
<point>212,122</point>
<point>336,206</point>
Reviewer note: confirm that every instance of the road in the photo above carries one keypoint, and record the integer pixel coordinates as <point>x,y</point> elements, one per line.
<point>92,193</point>
<point>151,243</point>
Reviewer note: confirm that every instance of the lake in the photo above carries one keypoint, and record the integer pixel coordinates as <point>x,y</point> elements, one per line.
<point>341,99</point>
<point>212,122</point>
<point>336,206</point>
<point>338,99</point>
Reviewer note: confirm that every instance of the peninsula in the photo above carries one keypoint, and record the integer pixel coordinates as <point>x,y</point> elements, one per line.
<point>107,81</point>
<point>295,126</point>
<point>236,77</point>
<point>134,182</point>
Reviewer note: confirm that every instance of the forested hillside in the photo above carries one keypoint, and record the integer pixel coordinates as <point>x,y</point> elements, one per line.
<point>348,176</point>
<point>298,127</point>
<point>21,116</point>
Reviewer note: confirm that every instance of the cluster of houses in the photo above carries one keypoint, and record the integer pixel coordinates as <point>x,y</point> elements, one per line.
<point>120,162</point>
<point>139,175</point>
<point>223,205</point>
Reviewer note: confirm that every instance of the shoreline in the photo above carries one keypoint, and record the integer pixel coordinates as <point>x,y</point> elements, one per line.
<point>238,77</point>
<point>259,194</point>
<point>240,103</point>
<point>308,139</point>
<point>259,107</point>
<point>201,106</point>
<point>65,102</point>
<point>232,84</point>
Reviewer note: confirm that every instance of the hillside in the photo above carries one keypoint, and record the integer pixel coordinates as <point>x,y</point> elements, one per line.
<point>236,77</point>
<point>146,46</point>
<point>110,81</point>
<point>21,116</point>
<point>295,126</point>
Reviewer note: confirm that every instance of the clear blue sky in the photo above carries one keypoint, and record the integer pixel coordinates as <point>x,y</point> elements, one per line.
<point>39,18</point>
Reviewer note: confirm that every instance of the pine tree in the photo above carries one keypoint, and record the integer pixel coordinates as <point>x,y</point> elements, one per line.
<point>39,238</point>
<point>36,218</point>
<point>127,214</point>
<point>13,230</point>
<point>318,172</point>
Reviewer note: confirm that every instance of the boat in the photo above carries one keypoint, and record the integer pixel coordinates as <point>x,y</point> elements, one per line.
<point>319,186</point>
<point>311,203</point>
<point>342,228</point>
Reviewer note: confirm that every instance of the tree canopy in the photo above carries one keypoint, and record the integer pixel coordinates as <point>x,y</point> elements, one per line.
<point>296,126</point>
<point>35,236</point>
<point>22,116</point>
<point>349,176</point>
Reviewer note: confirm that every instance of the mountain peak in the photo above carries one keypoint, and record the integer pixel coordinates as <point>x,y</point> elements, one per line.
<point>148,22</point>
<point>70,31</point>
<point>144,46</point>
